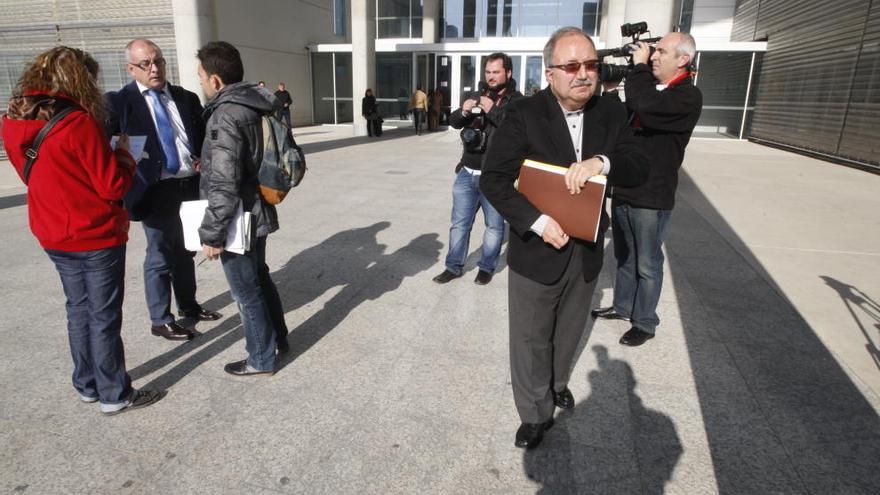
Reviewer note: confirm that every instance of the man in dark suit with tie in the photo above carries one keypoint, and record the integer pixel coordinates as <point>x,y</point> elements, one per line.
<point>552,276</point>
<point>171,118</point>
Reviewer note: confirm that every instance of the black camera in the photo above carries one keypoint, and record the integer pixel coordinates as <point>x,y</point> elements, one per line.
<point>473,137</point>
<point>617,72</point>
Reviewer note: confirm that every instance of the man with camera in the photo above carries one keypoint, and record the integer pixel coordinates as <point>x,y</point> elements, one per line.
<point>665,106</point>
<point>478,116</point>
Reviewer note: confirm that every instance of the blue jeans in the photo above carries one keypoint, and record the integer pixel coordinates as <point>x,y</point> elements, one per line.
<point>638,235</point>
<point>258,303</point>
<point>466,200</point>
<point>94,285</point>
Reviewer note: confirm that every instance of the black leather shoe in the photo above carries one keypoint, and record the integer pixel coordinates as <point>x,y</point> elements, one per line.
<point>635,336</point>
<point>564,399</point>
<point>608,314</point>
<point>446,276</point>
<point>141,398</point>
<point>483,278</point>
<point>529,435</point>
<point>174,331</point>
<point>240,368</point>
<point>202,314</point>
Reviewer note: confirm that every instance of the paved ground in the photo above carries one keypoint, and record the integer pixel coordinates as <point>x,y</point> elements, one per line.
<point>764,377</point>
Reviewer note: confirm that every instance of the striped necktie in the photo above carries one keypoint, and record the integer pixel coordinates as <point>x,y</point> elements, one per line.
<point>166,133</point>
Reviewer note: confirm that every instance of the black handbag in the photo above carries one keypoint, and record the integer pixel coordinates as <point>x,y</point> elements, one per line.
<point>33,151</point>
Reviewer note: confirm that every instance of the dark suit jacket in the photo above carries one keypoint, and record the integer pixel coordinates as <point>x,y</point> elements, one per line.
<point>128,113</point>
<point>535,128</point>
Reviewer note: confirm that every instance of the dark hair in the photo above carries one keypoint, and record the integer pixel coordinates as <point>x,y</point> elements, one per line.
<point>508,64</point>
<point>223,60</point>
<point>370,91</point>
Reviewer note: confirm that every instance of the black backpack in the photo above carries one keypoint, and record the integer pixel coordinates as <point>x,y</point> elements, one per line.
<point>284,163</point>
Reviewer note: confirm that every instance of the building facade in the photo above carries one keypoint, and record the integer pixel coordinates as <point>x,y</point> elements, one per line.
<point>328,52</point>
<point>819,83</point>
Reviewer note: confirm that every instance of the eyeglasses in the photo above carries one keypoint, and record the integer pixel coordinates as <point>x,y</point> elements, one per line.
<point>575,67</point>
<point>145,65</point>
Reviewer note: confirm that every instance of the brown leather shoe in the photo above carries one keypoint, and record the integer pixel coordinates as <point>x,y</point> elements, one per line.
<point>174,331</point>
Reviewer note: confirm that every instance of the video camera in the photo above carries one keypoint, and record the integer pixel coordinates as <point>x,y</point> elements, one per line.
<point>617,72</point>
<point>473,137</point>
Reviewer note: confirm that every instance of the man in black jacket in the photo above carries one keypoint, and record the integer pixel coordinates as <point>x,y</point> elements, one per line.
<point>231,159</point>
<point>552,276</point>
<point>666,107</point>
<point>479,115</point>
<point>286,101</point>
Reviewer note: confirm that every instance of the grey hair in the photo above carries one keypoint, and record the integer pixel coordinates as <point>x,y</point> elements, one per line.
<point>131,43</point>
<point>558,35</point>
<point>686,46</point>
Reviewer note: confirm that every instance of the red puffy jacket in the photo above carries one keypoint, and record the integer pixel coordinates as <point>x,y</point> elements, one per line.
<point>76,184</point>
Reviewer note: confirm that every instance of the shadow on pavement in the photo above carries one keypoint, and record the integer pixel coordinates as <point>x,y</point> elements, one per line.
<point>13,201</point>
<point>352,259</point>
<point>387,134</point>
<point>609,443</point>
<point>780,414</point>
<point>857,302</point>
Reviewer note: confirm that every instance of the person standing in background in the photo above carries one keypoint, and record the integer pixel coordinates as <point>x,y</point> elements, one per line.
<point>286,101</point>
<point>419,106</point>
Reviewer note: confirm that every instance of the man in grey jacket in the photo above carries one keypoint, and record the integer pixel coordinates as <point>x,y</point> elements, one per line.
<point>231,157</point>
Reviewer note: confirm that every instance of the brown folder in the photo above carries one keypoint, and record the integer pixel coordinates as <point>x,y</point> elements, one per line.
<point>578,214</point>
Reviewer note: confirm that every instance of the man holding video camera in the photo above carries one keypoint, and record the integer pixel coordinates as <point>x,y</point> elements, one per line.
<point>478,116</point>
<point>665,107</point>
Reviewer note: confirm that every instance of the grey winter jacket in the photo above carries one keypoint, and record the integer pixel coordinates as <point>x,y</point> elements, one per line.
<point>231,157</point>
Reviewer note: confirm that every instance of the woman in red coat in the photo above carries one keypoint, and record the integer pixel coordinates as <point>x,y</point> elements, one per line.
<point>75,189</point>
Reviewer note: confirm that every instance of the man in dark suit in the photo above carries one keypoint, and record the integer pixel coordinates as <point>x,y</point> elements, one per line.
<point>552,276</point>
<point>171,118</point>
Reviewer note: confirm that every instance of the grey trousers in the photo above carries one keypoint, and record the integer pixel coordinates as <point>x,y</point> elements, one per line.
<point>546,325</point>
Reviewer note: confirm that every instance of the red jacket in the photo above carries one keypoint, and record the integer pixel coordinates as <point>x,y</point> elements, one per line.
<point>76,184</point>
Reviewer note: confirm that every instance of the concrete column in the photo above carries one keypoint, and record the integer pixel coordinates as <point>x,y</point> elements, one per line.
<point>363,58</point>
<point>431,28</point>
<point>659,15</point>
<point>610,29</point>
<point>194,25</point>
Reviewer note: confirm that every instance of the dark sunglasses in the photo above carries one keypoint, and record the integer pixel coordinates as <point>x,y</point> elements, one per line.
<point>146,64</point>
<point>575,67</point>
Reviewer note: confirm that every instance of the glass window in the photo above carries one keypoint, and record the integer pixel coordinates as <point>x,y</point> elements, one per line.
<point>535,18</point>
<point>339,17</point>
<point>468,75</point>
<point>534,71</point>
<point>392,18</point>
<point>503,18</point>
<point>322,87</point>
<point>460,19</point>
<point>416,18</point>
<point>723,79</point>
<point>393,81</point>
<point>686,18</point>
<point>344,111</point>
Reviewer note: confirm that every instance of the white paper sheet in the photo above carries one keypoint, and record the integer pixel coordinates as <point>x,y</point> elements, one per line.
<point>135,145</point>
<point>237,237</point>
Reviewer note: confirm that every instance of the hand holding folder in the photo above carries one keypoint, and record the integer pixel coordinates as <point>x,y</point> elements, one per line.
<point>238,236</point>
<point>578,214</point>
